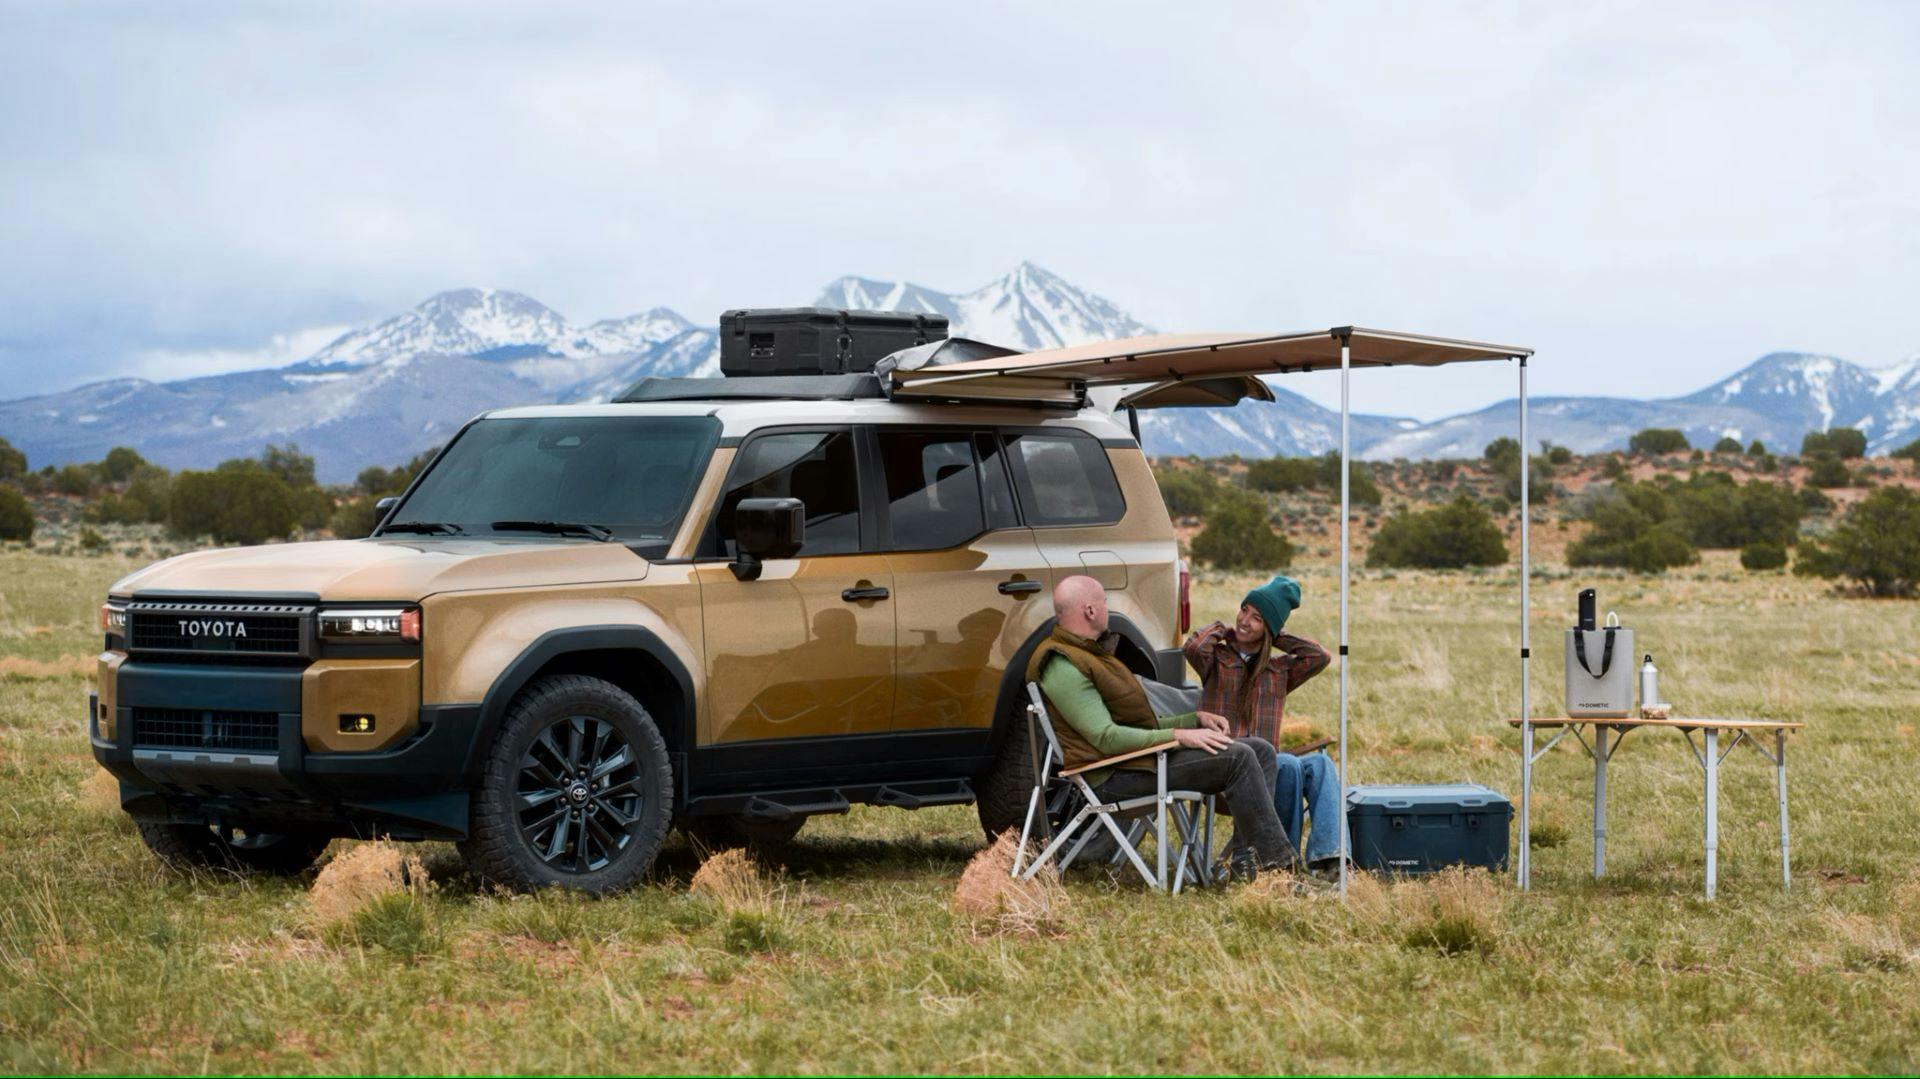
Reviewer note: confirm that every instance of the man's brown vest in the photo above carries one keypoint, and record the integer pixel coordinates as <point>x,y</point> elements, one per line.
<point>1119,689</point>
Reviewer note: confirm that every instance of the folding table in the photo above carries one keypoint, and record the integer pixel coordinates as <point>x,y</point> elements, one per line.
<point>1708,754</point>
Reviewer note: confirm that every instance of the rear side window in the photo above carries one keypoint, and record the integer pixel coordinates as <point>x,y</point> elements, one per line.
<point>816,467</point>
<point>933,488</point>
<point>1065,479</point>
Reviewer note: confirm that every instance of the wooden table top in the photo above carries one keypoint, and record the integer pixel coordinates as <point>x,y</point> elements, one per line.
<point>1682,722</point>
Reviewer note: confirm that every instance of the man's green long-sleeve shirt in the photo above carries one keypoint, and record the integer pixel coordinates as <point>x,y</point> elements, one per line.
<point>1077,702</point>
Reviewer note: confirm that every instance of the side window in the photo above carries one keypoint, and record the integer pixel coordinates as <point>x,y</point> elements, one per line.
<point>933,488</point>
<point>816,467</point>
<point>1065,479</point>
<point>1001,512</point>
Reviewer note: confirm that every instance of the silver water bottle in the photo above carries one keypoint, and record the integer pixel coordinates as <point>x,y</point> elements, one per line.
<point>1649,682</point>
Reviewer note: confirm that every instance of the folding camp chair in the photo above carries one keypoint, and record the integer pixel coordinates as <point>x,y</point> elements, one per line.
<point>1051,778</point>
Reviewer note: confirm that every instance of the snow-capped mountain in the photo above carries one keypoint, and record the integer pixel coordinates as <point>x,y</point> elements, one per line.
<point>382,393</point>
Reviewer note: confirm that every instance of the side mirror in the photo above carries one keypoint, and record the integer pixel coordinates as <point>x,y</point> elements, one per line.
<point>382,506</point>
<point>766,528</point>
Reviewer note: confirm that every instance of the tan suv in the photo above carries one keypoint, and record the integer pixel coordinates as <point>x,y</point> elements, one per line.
<point>722,604</point>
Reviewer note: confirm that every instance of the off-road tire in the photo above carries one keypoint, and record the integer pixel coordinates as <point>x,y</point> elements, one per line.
<point>729,830</point>
<point>1001,792</point>
<point>498,849</point>
<point>201,846</point>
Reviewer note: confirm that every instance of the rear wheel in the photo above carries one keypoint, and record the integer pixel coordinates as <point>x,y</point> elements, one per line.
<point>1001,792</point>
<point>577,791</point>
<point>225,846</point>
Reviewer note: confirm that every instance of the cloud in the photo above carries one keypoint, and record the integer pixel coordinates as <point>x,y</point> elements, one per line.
<point>1650,194</point>
<point>281,349</point>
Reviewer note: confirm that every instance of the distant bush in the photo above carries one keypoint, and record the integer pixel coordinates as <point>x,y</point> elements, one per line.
<point>1237,536</point>
<point>16,516</point>
<point>1910,451</point>
<point>1825,469</point>
<point>1614,468</point>
<point>120,463</point>
<point>1502,453</point>
<point>1815,501</point>
<point>1844,442</point>
<point>1756,448</point>
<point>1877,545</point>
<point>1727,444</point>
<point>235,505</point>
<point>1763,555</point>
<point>1634,527</point>
<point>1559,455</point>
<point>13,463</point>
<point>1715,511</point>
<point>295,469</point>
<point>74,480</point>
<point>1658,440</point>
<point>1286,474</point>
<point>1188,492</point>
<point>1458,534</point>
<point>1766,462</point>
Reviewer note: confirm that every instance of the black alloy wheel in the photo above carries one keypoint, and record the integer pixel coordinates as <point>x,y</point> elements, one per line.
<point>580,794</point>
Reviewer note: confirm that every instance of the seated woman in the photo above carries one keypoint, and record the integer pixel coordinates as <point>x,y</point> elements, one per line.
<point>1246,671</point>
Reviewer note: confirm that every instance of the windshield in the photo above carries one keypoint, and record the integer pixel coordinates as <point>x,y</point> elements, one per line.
<point>629,475</point>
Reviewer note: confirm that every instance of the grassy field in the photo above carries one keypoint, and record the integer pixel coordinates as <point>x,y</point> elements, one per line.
<point>856,961</point>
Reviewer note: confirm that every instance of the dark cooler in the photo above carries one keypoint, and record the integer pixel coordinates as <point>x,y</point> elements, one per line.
<point>1422,829</point>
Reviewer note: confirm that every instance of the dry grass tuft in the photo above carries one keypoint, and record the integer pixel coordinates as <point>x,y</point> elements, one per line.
<point>993,902</point>
<point>67,666</point>
<point>360,877</point>
<point>1455,911</point>
<point>100,792</point>
<point>753,907</point>
<point>1906,908</point>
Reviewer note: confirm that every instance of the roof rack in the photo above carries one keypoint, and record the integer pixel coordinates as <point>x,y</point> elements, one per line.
<point>854,387</point>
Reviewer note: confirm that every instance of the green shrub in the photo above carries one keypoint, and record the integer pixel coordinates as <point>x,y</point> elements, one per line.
<point>120,464</point>
<point>16,516</point>
<point>1503,454</point>
<point>1877,545</point>
<point>74,480</point>
<point>1188,492</point>
<point>149,487</point>
<point>92,542</point>
<point>1361,489</point>
<point>398,923</point>
<point>1910,452</point>
<point>1634,527</point>
<point>355,518</point>
<point>312,507</point>
<point>233,505</point>
<point>1756,448</point>
<point>1458,534</point>
<point>1558,455</point>
<point>1615,468</point>
<point>13,463</point>
<point>1815,502</point>
<point>1727,444</point>
<point>295,469</point>
<point>1763,555</point>
<point>1282,474</point>
<point>1653,440</point>
<point>1844,442</point>
<point>117,509</point>
<point>1827,470</point>
<point>1237,536</point>
<point>1718,512</point>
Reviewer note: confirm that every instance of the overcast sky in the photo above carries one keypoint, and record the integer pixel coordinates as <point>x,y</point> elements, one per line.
<point>1651,195</point>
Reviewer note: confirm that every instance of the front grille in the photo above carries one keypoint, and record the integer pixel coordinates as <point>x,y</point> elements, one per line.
<point>242,629</point>
<point>194,728</point>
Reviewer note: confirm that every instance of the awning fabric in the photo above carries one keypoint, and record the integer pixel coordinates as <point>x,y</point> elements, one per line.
<point>1062,375</point>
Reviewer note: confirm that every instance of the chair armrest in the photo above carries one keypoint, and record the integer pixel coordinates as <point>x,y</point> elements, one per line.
<point>1105,762</point>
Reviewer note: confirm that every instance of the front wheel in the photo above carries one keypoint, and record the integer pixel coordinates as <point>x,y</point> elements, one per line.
<point>576,791</point>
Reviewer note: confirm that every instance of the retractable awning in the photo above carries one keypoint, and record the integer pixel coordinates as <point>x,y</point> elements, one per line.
<point>1061,375</point>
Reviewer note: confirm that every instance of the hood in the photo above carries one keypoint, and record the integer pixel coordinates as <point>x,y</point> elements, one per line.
<point>388,569</point>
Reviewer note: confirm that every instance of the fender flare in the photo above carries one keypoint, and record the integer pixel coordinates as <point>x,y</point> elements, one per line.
<point>555,643</point>
<point>1135,652</point>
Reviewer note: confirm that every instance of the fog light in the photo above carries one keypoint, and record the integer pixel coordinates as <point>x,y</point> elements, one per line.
<point>356,723</point>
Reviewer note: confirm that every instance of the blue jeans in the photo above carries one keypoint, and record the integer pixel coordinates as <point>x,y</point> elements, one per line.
<point>1310,784</point>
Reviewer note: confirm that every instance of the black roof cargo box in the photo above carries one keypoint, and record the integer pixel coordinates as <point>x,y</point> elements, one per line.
<point>818,340</point>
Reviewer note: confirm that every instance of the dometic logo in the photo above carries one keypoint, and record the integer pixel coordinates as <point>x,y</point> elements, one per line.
<point>211,627</point>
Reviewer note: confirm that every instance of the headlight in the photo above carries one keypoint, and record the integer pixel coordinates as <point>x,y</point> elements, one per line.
<point>371,626</point>
<point>113,618</point>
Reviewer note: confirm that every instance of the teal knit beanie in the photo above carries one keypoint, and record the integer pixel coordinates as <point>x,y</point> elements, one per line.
<point>1275,600</point>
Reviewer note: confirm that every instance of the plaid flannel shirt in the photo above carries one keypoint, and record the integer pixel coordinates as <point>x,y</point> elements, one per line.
<point>1222,672</point>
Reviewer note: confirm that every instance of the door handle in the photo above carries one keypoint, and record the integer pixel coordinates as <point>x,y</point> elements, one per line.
<point>855,595</point>
<point>1019,588</point>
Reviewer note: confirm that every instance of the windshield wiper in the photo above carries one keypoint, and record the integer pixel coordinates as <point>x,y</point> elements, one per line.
<point>432,528</point>
<point>558,528</point>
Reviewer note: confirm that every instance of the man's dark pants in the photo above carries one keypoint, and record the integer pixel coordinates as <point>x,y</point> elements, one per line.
<point>1242,774</point>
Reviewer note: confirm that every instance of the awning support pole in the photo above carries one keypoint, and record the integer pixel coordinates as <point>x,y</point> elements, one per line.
<point>1525,867</point>
<point>1346,467</point>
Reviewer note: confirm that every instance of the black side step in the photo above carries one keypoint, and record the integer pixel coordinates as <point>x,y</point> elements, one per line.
<point>811,801</point>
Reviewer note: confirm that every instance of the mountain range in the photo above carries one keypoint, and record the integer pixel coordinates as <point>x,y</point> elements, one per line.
<point>379,394</point>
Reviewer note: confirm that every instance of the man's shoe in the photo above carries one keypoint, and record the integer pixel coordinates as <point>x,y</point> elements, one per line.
<point>1328,868</point>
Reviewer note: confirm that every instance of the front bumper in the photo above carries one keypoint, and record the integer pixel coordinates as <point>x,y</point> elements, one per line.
<point>414,789</point>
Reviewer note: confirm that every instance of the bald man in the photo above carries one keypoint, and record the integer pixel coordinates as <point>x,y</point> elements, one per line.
<point>1104,711</point>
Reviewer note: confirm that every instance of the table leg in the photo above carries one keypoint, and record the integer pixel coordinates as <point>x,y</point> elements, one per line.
<point>1524,870</point>
<point>1599,800</point>
<point>1780,777</point>
<point>1712,763</point>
